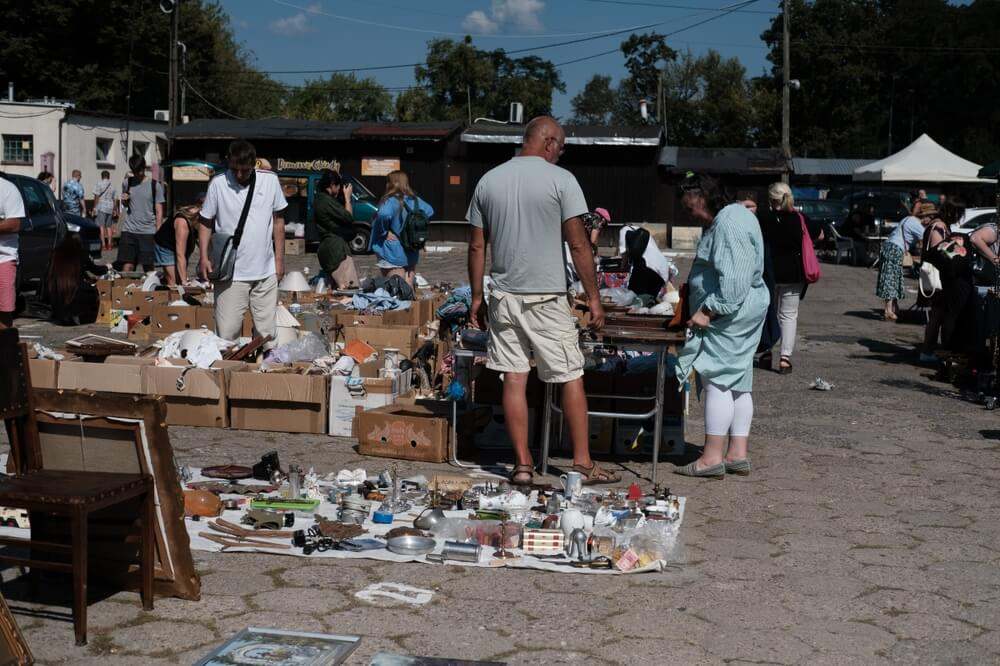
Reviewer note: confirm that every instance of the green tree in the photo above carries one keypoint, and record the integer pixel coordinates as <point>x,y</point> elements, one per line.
<point>645,55</point>
<point>96,53</point>
<point>595,104</point>
<point>414,105</point>
<point>342,97</point>
<point>461,78</point>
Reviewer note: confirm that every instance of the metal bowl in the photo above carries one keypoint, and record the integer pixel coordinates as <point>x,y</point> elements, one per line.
<point>410,545</point>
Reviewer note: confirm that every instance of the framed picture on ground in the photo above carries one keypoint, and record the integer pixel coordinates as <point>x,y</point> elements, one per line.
<point>13,649</point>
<point>275,647</point>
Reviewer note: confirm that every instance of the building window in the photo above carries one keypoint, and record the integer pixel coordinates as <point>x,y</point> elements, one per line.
<point>18,148</point>
<point>104,154</point>
<point>140,148</point>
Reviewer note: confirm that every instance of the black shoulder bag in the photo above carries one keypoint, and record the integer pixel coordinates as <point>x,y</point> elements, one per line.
<point>222,247</point>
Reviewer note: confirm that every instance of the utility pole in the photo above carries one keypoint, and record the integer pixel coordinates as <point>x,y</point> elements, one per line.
<point>172,96</point>
<point>786,93</point>
<point>892,103</point>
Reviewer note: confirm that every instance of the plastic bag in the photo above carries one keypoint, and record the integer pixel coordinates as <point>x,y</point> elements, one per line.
<point>309,347</point>
<point>619,296</point>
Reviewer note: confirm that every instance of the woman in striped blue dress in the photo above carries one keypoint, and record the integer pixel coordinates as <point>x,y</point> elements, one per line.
<point>728,300</point>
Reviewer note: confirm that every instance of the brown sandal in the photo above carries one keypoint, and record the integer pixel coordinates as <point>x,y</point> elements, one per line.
<point>595,475</point>
<point>521,470</point>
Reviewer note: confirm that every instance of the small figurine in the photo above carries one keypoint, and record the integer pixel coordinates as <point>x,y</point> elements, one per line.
<point>576,545</point>
<point>634,492</point>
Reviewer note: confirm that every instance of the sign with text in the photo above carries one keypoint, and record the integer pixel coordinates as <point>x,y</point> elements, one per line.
<point>307,165</point>
<point>378,166</point>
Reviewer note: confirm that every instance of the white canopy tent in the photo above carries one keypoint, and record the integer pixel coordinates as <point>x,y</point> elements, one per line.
<point>925,161</point>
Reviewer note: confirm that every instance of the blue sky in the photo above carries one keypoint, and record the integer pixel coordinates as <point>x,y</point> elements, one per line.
<point>327,34</point>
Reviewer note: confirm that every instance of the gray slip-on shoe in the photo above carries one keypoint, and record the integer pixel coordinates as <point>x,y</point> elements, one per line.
<point>713,472</point>
<point>741,467</point>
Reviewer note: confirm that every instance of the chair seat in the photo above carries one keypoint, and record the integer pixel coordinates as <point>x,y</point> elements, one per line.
<point>67,487</point>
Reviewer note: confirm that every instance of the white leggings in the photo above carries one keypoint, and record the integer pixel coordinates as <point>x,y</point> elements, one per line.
<point>727,412</point>
<point>788,314</point>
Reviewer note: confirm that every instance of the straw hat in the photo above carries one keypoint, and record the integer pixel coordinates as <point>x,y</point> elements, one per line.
<point>927,209</point>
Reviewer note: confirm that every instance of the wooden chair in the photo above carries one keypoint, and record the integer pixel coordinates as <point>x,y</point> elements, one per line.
<point>73,494</point>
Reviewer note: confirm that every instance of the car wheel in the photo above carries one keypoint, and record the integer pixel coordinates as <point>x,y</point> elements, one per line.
<point>359,244</point>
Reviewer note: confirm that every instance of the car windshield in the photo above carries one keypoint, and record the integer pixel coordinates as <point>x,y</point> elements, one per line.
<point>360,191</point>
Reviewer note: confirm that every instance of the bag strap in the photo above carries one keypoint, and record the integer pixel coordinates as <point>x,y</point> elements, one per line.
<point>246,211</point>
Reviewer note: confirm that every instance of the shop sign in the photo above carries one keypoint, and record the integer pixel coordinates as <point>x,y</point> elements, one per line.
<point>192,173</point>
<point>378,166</point>
<point>307,165</point>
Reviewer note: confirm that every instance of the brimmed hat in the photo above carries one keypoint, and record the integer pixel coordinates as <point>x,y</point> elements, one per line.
<point>927,209</point>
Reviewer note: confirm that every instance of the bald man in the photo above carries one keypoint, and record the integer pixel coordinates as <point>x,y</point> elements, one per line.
<point>525,208</point>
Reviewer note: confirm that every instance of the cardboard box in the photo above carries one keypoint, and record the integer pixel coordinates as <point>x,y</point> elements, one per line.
<point>143,302</point>
<point>104,308</point>
<point>169,319</point>
<point>403,338</point>
<point>671,438</point>
<point>104,287</point>
<point>44,373</point>
<point>374,392</point>
<point>277,401</point>
<point>201,399</point>
<point>494,435</point>
<point>416,432</point>
<point>118,374</point>
<point>140,329</point>
<point>295,246</point>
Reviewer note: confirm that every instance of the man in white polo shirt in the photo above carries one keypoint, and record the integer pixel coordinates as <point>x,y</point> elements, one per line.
<point>11,213</point>
<point>260,256</point>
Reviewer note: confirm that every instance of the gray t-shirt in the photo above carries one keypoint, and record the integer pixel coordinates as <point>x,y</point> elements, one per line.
<point>521,206</point>
<point>141,215</point>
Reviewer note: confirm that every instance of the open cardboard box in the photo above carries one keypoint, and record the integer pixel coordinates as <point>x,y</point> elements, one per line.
<point>403,338</point>
<point>201,397</point>
<point>169,319</point>
<point>277,401</point>
<point>378,392</point>
<point>408,432</point>
<point>45,371</point>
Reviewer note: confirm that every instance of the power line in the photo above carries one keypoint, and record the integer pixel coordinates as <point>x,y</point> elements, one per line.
<point>666,6</point>
<point>213,106</point>
<point>727,10</point>
<point>406,28</point>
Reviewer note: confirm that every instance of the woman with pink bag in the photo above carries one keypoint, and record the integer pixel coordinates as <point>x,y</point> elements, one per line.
<point>786,232</point>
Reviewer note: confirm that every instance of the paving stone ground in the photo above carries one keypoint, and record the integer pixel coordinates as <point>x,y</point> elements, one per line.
<point>867,533</point>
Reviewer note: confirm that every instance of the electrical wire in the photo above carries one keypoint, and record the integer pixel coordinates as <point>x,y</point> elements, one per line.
<point>212,106</point>
<point>729,10</point>
<point>666,6</point>
<point>483,35</point>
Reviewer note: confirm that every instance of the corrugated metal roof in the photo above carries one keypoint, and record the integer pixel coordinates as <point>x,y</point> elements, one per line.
<point>679,159</point>
<point>293,129</point>
<point>814,166</point>
<point>578,135</point>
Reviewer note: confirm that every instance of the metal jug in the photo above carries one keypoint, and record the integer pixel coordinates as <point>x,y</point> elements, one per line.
<point>429,518</point>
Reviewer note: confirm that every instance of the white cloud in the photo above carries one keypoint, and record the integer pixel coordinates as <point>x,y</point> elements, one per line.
<point>519,14</point>
<point>479,22</point>
<point>297,24</point>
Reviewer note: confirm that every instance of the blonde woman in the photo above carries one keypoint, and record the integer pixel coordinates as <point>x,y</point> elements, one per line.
<point>175,241</point>
<point>781,226</point>
<point>394,207</point>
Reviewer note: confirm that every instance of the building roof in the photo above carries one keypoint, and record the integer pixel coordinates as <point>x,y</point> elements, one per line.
<point>814,166</point>
<point>579,135</point>
<point>298,130</point>
<point>678,159</point>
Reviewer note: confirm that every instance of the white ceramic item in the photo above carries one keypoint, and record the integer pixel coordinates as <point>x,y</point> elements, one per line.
<point>571,519</point>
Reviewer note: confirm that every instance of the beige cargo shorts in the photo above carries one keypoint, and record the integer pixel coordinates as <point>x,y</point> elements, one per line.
<point>539,326</point>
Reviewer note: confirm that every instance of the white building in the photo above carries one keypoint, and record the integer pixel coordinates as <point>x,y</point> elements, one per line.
<point>53,136</point>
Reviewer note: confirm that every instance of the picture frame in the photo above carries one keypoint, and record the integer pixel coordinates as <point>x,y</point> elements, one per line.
<point>14,650</point>
<point>258,646</point>
<point>104,432</point>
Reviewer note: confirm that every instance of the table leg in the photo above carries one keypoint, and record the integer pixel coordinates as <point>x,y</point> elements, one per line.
<point>661,365</point>
<point>148,549</point>
<point>78,522</point>
<point>546,427</point>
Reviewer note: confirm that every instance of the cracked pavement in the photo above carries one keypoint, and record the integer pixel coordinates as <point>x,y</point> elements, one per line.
<point>867,533</point>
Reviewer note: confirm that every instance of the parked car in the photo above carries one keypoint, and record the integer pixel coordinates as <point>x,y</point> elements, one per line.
<point>299,187</point>
<point>891,206</point>
<point>973,218</point>
<point>42,228</point>
<point>88,231</point>
<point>822,212</point>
